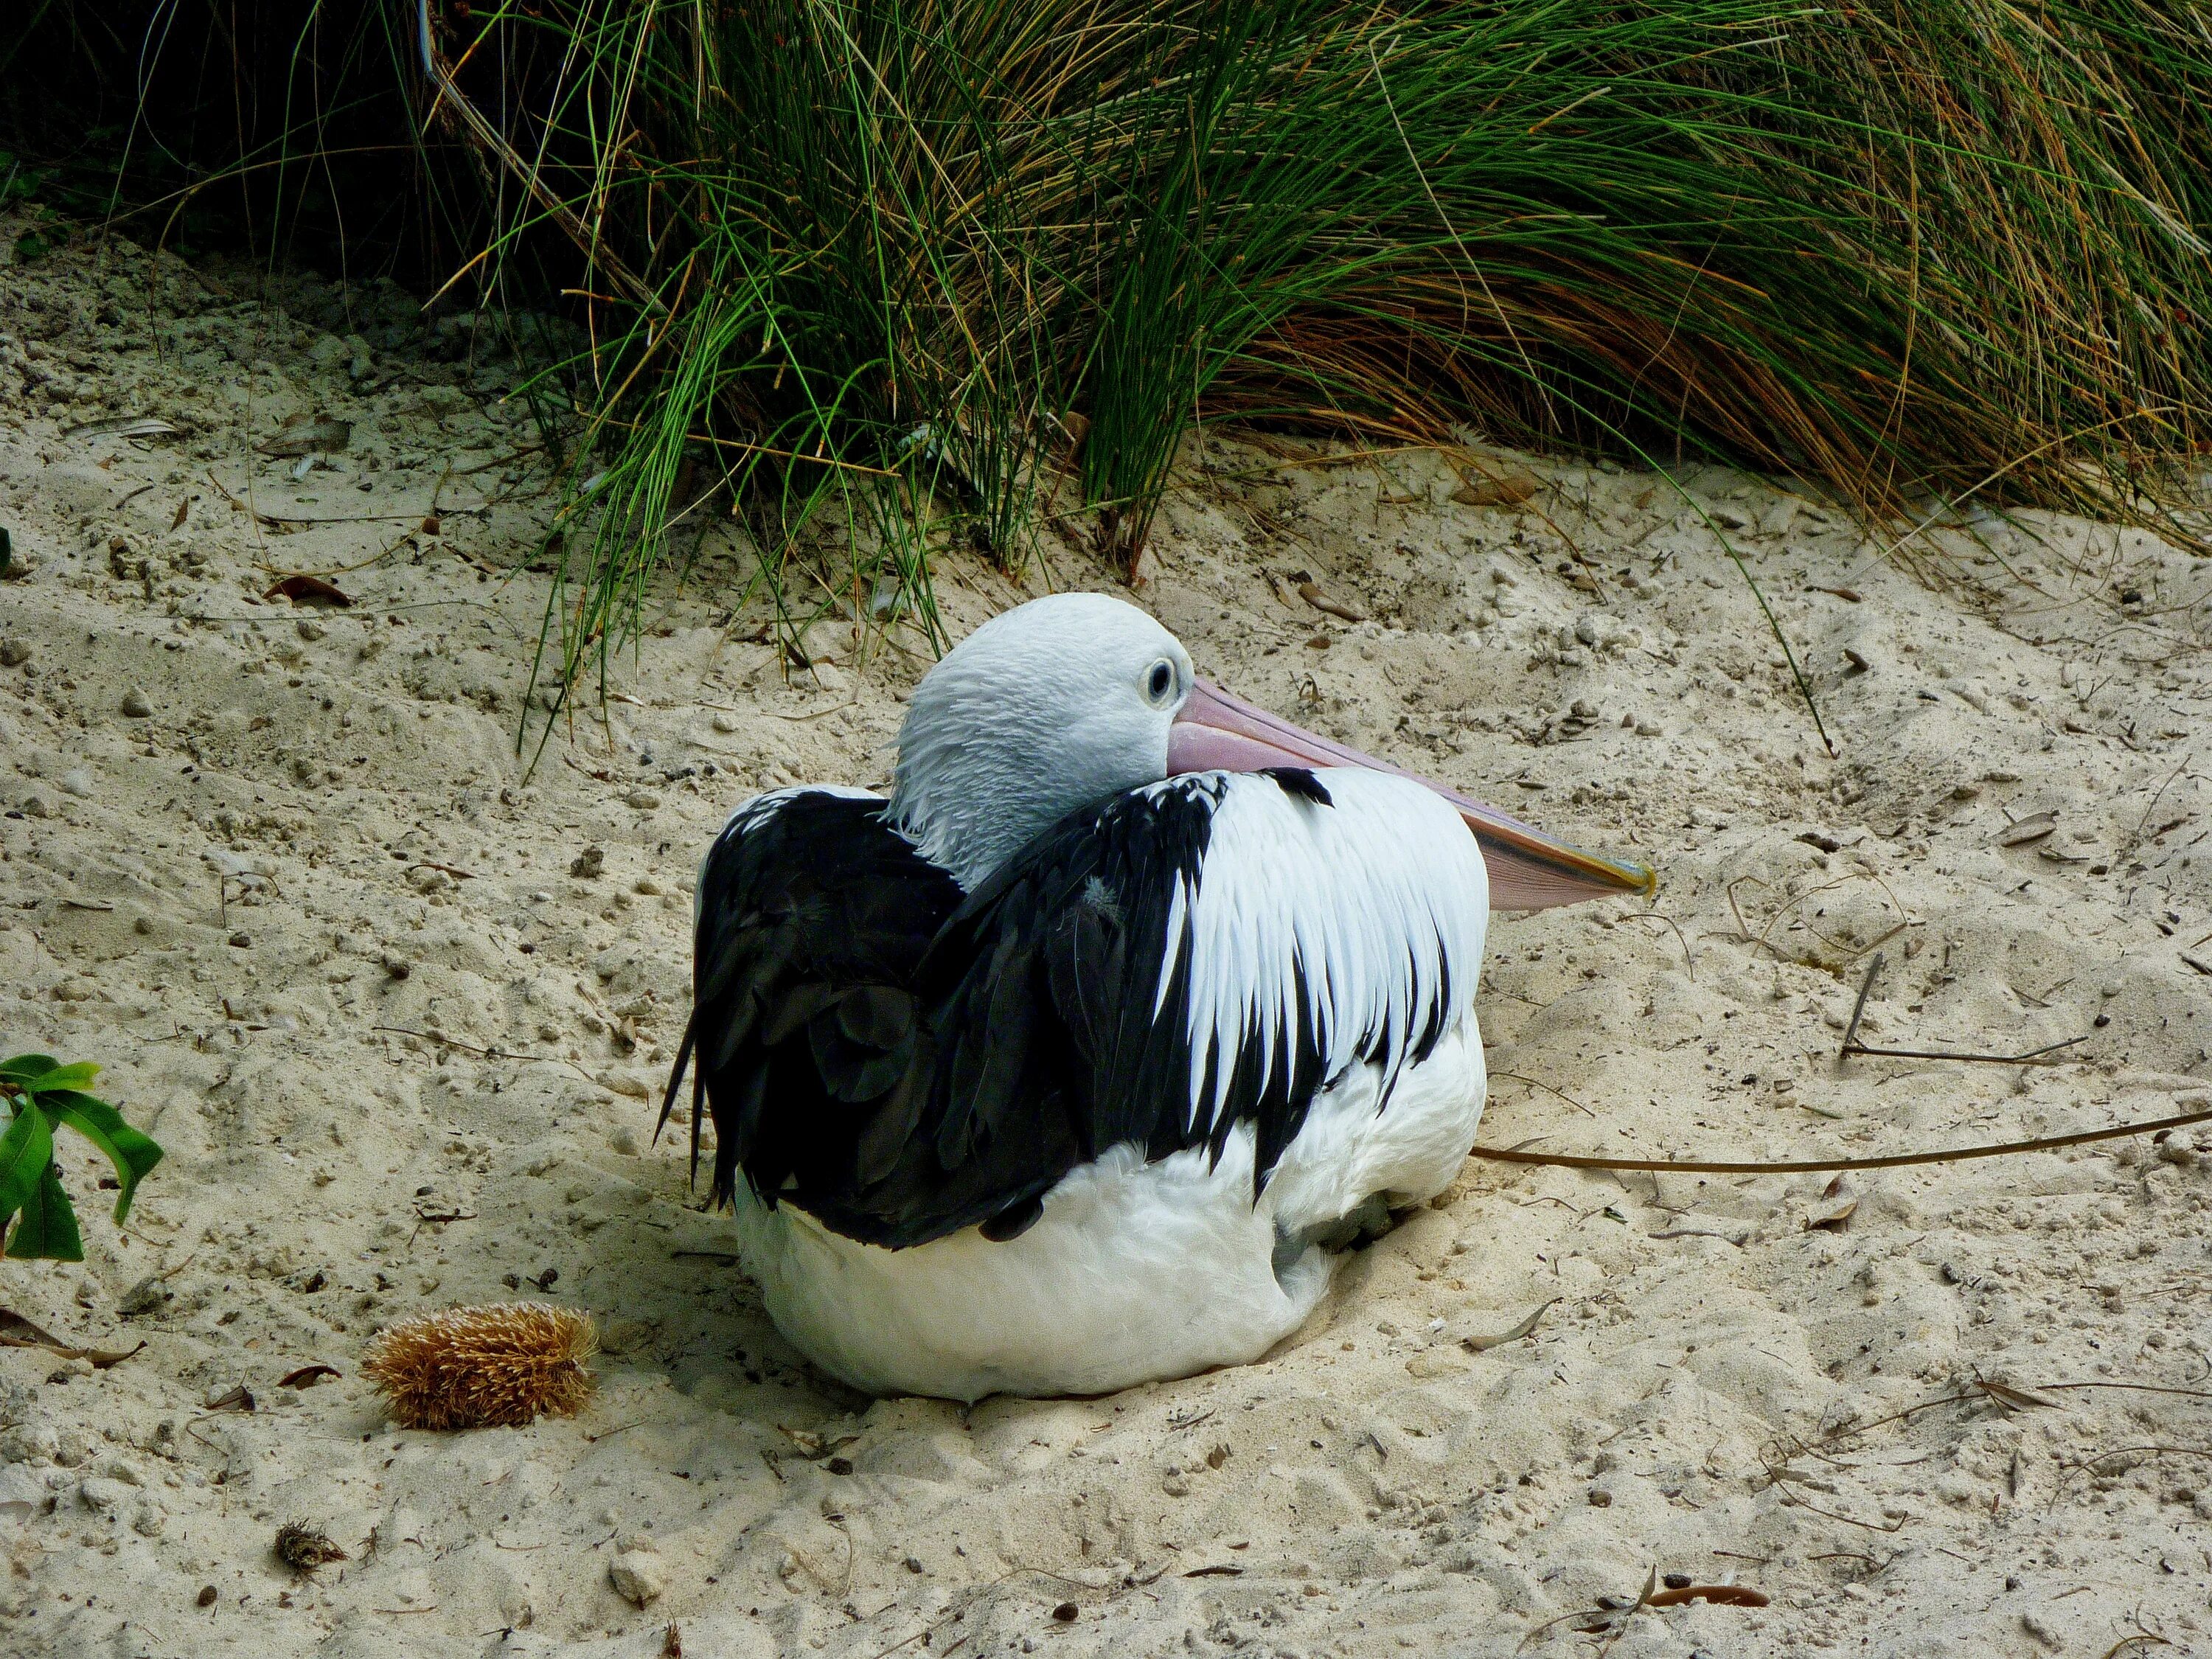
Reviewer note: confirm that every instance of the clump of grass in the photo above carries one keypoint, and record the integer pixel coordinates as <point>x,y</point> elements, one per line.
<point>873,266</point>
<point>38,1095</point>
<point>498,1366</point>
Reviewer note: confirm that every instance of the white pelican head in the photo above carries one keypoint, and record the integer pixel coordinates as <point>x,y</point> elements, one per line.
<point>1058,704</point>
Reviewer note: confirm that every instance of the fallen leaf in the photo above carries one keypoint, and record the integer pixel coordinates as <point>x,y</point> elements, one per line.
<point>1224,1570</point>
<point>308,436</point>
<point>2020,831</point>
<point>1505,489</point>
<point>240,1399</point>
<point>307,1376</point>
<point>1838,1201</point>
<point>17,1332</point>
<point>2012,1399</point>
<point>1720,1595</point>
<point>1849,594</point>
<point>1322,602</point>
<point>184,511</point>
<point>122,426</point>
<point>312,590</point>
<point>1478,1344</point>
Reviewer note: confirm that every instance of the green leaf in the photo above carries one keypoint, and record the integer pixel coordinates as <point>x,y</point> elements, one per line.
<point>30,248</point>
<point>26,1151</point>
<point>131,1152</point>
<point>47,1230</point>
<point>23,1067</point>
<point>62,1076</point>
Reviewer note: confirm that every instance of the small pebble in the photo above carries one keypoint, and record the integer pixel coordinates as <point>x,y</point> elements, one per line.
<point>241,940</point>
<point>14,653</point>
<point>588,863</point>
<point>638,1576</point>
<point>643,800</point>
<point>136,705</point>
<point>206,1597</point>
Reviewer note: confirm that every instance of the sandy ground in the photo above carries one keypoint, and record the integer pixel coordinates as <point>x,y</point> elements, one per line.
<point>249,847</point>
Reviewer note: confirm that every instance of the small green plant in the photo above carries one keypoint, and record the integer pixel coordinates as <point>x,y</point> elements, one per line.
<point>41,1094</point>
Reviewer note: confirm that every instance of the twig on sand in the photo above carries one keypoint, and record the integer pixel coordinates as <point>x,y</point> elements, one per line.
<point>490,1054</point>
<point>1821,1165</point>
<point>1852,1045</point>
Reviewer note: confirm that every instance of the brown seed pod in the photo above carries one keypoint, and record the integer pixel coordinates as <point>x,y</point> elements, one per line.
<point>300,1547</point>
<point>492,1367</point>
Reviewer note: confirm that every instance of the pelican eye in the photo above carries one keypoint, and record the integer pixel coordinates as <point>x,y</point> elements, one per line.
<point>1160,681</point>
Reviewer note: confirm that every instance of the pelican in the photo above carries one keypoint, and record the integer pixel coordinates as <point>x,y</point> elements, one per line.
<point>1075,1062</point>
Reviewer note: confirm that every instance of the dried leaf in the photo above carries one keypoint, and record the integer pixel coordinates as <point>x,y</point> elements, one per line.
<point>2021,831</point>
<point>240,1399</point>
<point>1223,1570</point>
<point>1322,602</point>
<point>2012,1399</point>
<point>1478,1344</point>
<point>17,1332</point>
<point>307,1376</point>
<point>184,512</point>
<point>308,436</point>
<point>309,590</point>
<point>1720,1595</point>
<point>123,426</point>
<point>1504,489</point>
<point>1839,1201</point>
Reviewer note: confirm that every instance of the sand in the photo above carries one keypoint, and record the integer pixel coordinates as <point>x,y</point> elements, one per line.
<point>345,955</point>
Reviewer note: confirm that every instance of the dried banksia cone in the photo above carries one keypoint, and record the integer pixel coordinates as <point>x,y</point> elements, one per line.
<point>492,1367</point>
<point>301,1548</point>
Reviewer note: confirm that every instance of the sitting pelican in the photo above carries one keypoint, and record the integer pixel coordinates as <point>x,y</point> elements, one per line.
<point>1070,1065</point>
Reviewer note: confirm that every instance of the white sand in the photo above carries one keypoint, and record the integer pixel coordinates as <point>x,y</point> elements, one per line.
<point>1375,1487</point>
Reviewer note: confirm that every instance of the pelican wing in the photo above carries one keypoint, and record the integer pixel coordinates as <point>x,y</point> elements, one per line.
<point>813,916</point>
<point>1199,954</point>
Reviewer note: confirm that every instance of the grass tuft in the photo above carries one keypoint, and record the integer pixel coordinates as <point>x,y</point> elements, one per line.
<point>868,278</point>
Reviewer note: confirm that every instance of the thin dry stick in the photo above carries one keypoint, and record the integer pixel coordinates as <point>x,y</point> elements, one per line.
<point>1807,1166</point>
<point>1853,1046</point>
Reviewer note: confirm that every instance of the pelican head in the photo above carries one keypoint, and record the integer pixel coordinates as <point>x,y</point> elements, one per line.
<point>1058,704</point>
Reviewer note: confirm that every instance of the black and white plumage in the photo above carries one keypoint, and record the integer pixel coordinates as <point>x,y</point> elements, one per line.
<point>1053,1072</point>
